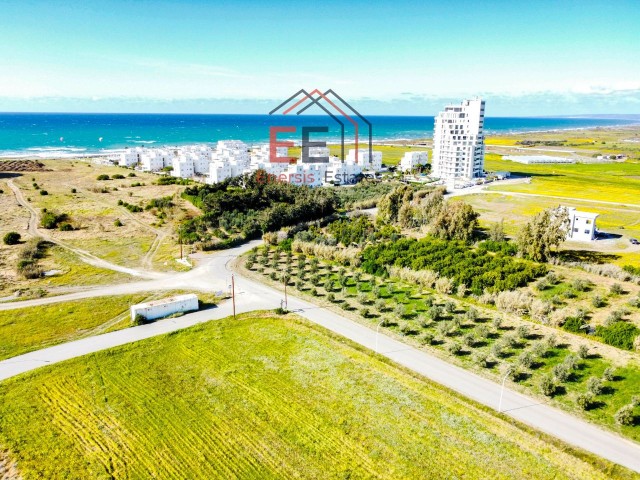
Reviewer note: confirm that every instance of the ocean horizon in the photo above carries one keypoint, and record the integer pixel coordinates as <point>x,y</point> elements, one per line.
<point>68,135</point>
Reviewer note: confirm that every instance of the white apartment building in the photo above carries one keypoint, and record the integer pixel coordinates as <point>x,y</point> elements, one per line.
<point>151,161</point>
<point>374,163</point>
<point>458,141</point>
<point>309,174</point>
<point>412,160</point>
<point>582,225</point>
<point>130,157</point>
<point>183,167</point>
<point>342,173</point>
<point>219,172</point>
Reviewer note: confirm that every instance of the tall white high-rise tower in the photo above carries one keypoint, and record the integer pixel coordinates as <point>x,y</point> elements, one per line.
<point>458,141</point>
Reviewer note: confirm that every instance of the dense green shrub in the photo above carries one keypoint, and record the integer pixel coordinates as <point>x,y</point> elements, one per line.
<point>619,334</point>
<point>11,238</point>
<point>455,260</point>
<point>547,386</point>
<point>624,416</point>
<point>51,220</point>
<point>573,324</point>
<point>584,400</point>
<point>103,177</point>
<point>253,204</point>
<point>632,270</point>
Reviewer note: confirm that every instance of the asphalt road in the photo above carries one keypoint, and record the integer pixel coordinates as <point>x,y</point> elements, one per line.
<point>251,295</point>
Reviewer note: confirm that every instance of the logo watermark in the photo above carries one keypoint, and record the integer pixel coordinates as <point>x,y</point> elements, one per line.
<point>341,112</point>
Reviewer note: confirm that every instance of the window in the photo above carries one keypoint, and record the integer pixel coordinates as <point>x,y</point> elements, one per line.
<point>588,222</point>
<point>575,229</point>
<point>587,231</point>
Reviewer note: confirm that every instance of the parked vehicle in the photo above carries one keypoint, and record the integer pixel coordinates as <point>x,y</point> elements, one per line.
<point>634,241</point>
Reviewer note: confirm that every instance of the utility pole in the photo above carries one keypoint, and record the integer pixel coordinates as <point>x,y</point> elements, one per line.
<point>502,389</point>
<point>233,295</point>
<point>377,333</point>
<point>286,303</point>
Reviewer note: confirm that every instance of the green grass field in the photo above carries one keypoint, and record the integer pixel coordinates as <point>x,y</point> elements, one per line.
<point>262,397</point>
<point>32,328</point>
<point>608,182</point>
<point>74,271</point>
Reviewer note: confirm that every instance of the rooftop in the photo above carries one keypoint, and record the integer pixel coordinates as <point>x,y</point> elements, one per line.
<point>164,301</point>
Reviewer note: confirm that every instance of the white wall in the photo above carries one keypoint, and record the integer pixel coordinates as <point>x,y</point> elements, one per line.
<point>160,309</point>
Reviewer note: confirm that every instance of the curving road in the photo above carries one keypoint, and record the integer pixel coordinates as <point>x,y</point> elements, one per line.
<point>250,295</point>
<point>85,256</point>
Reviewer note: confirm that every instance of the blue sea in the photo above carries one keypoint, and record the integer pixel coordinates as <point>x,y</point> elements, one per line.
<point>60,135</point>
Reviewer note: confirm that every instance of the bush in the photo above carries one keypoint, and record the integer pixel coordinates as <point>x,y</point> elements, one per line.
<point>594,385</point>
<point>497,350</point>
<point>597,301</point>
<point>469,339</point>
<point>103,177</point>
<point>65,227</point>
<point>131,175</point>
<point>580,285</point>
<point>44,192</point>
<point>118,223</point>
<point>281,311</point>
<point>427,338</point>
<point>73,190</point>
<point>526,359</point>
<point>573,325</point>
<point>583,351</point>
<point>454,348</point>
<point>522,332</point>
<point>619,334</point>
<point>547,386</point>
<point>561,372</point>
<point>11,238</point>
<point>571,361</point>
<point>616,289</point>
<point>117,176</point>
<point>608,374</point>
<point>539,349</point>
<point>551,341</point>
<point>51,220</point>
<point>481,332</point>
<point>139,320</point>
<point>625,416</point>
<point>482,359</point>
<point>584,400</point>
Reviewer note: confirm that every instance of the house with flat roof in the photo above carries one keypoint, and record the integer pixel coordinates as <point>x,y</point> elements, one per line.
<point>582,225</point>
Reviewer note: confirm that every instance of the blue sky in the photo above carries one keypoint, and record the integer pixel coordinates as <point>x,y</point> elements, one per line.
<point>400,57</point>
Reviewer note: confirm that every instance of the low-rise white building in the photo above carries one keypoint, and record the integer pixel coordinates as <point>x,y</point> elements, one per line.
<point>165,307</point>
<point>129,158</point>
<point>373,163</point>
<point>183,167</point>
<point>342,173</point>
<point>582,225</point>
<point>219,172</point>
<point>412,160</point>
